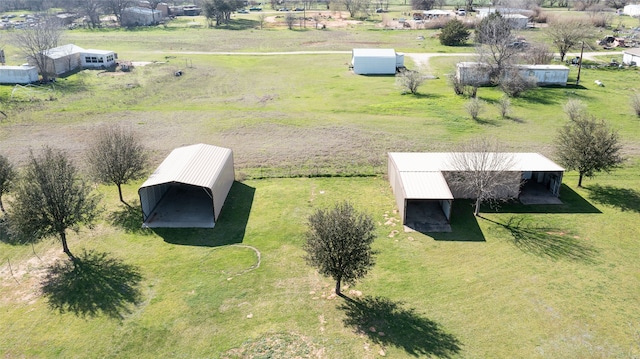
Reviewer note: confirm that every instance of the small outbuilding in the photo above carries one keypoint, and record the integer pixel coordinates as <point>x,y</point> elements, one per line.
<point>376,61</point>
<point>469,73</point>
<point>18,74</point>
<point>140,16</point>
<point>424,198</point>
<point>188,189</point>
<point>631,10</point>
<point>517,21</point>
<point>97,58</point>
<point>631,56</point>
<point>60,60</point>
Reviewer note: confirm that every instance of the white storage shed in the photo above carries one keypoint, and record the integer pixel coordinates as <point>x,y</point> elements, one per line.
<point>631,10</point>
<point>139,16</point>
<point>188,189</point>
<point>97,58</point>
<point>631,56</point>
<point>18,74</point>
<point>60,60</point>
<point>469,73</point>
<point>376,61</point>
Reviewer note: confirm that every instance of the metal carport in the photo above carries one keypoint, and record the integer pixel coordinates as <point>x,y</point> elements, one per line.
<point>188,189</point>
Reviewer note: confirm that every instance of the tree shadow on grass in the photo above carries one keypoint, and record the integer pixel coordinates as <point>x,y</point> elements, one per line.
<point>229,229</point>
<point>389,323</point>
<point>623,198</point>
<point>129,218</point>
<point>547,242</point>
<point>464,225</point>
<point>92,284</point>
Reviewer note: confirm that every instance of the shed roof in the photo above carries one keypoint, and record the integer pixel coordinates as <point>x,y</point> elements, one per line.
<point>419,185</point>
<point>62,51</point>
<point>443,161</point>
<point>197,165</point>
<point>374,53</point>
<point>632,51</point>
<point>97,52</point>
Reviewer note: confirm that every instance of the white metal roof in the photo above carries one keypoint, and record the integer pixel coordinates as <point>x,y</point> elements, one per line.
<point>197,165</point>
<point>62,51</point>
<point>96,52</point>
<point>442,161</point>
<point>374,53</point>
<point>20,67</point>
<point>632,51</point>
<point>419,185</point>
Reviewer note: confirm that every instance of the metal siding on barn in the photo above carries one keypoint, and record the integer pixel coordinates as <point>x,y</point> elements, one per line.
<point>374,61</point>
<point>201,165</point>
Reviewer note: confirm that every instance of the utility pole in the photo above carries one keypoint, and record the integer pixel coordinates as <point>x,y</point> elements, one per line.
<point>580,64</point>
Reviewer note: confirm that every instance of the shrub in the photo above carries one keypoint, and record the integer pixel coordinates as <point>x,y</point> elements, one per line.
<point>635,103</point>
<point>474,107</point>
<point>514,83</point>
<point>409,81</point>
<point>504,106</point>
<point>454,33</point>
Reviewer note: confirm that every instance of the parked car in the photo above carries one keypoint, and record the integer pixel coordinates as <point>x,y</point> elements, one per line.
<point>255,8</point>
<point>298,9</point>
<point>461,12</point>
<point>243,11</point>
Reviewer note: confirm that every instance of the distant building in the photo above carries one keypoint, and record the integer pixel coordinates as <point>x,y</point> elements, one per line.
<point>631,56</point>
<point>631,10</point>
<point>376,61</point>
<point>139,16</point>
<point>469,73</point>
<point>66,58</point>
<point>18,74</point>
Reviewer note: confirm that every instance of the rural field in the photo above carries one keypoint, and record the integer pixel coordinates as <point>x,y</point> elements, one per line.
<point>555,281</point>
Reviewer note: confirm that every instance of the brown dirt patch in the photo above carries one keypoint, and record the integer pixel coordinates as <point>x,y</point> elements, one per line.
<point>20,280</point>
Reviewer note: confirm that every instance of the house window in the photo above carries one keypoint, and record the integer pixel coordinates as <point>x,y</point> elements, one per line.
<point>87,59</point>
<point>100,59</point>
<point>94,59</point>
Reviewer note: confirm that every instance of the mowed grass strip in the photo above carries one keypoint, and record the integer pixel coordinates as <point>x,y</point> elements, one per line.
<point>477,288</point>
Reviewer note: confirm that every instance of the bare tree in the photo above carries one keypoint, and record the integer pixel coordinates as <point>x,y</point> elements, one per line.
<point>566,34</point>
<point>495,48</point>
<point>538,54</point>
<point>483,172</point>
<point>90,9</point>
<point>588,146</point>
<point>220,10</point>
<point>409,81</point>
<point>117,156</point>
<point>262,17</point>
<point>7,175</point>
<point>35,41</point>
<point>289,19</point>
<point>354,6</point>
<point>616,4</point>
<point>115,7</point>
<point>51,198</point>
<point>515,82</point>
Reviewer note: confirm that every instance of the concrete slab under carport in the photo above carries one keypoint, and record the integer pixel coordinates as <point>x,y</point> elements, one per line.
<point>183,206</point>
<point>425,216</point>
<point>532,192</point>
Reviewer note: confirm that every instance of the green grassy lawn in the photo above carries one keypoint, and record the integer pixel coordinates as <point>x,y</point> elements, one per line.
<point>560,283</point>
<point>549,282</point>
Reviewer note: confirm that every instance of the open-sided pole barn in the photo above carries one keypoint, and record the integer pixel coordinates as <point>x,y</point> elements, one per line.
<point>419,185</point>
<point>189,188</point>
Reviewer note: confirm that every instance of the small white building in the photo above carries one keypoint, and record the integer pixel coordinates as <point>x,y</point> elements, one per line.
<point>18,74</point>
<point>376,61</point>
<point>189,188</point>
<point>97,58</point>
<point>631,10</point>
<point>139,16</point>
<point>517,21</point>
<point>631,56</point>
<point>469,73</point>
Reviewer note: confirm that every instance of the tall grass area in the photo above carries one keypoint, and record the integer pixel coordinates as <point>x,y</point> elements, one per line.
<point>519,282</point>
